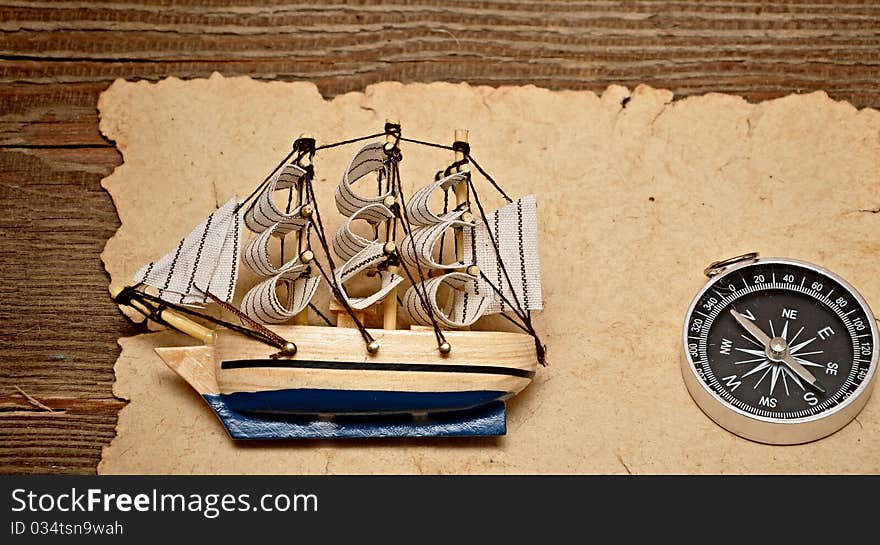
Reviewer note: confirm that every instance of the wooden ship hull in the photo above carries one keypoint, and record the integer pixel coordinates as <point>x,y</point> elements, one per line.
<point>333,387</point>
<point>307,381</point>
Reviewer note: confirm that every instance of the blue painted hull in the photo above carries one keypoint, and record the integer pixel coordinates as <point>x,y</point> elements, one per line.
<point>486,420</point>
<point>353,396</point>
<point>305,401</point>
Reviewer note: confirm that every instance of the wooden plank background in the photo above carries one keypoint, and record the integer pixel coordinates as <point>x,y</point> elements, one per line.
<point>58,328</point>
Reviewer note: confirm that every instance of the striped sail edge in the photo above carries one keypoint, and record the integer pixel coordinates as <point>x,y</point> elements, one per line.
<point>349,202</point>
<point>262,303</point>
<point>264,213</point>
<point>418,208</point>
<point>267,220</point>
<point>207,258</point>
<point>347,243</point>
<point>256,254</point>
<point>463,307</point>
<point>423,243</point>
<point>515,230</point>
<point>371,256</point>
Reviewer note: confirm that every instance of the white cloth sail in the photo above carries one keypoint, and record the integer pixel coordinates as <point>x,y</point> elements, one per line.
<point>257,257</point>
<point>347,243</point>
<point>264,213</point>
<point>515,229</point>
<point>371,158</point>
<point>261,302</point>
<point>423,244</point>
<point>207,258</point>
<point>371,256</point>
<point>466,299</point>
<point>418,208</point>
<point>359,252</point>
<point>463,307</point>
<point>266,218</point>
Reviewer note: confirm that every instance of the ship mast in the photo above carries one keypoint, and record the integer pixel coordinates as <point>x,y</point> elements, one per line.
<point>389,305</point>
<point>461,193</point>
<point>462,197</point>
<point>305,162</point>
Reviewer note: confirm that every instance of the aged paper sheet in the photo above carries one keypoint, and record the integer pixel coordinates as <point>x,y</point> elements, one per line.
<point>637,193</point>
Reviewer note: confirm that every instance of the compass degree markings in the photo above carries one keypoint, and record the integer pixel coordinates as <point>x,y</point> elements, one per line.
<point>701,361</point>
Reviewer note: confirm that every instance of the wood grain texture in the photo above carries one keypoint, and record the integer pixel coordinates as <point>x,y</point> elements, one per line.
<point>201,366</point>
<point>414,347</point>
<point>57,326</point>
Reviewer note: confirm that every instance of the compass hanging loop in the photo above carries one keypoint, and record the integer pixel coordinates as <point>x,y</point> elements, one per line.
<point>717,267</point>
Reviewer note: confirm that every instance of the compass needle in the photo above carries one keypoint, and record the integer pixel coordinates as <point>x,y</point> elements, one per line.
<point>753,330</point>
<point>802,371</point>
<point>795,378</point>
<point>808,358</point>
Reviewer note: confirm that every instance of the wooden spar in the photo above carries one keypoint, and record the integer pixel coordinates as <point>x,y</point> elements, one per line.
<point>303,317</point>
<point>461,195</point>
<point>389,305</point>
<point>343,319</point>
<point>181,323</point>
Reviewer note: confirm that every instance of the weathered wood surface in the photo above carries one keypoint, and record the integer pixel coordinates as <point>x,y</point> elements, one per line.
<point>58,327</point>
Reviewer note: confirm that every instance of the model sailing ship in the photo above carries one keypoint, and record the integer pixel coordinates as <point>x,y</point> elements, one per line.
<point>274,375</point>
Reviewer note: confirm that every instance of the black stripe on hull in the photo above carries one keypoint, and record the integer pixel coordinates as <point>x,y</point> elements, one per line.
<point>361,366</point>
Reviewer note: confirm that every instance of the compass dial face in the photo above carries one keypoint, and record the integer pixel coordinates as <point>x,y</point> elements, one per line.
<point>807,315</point>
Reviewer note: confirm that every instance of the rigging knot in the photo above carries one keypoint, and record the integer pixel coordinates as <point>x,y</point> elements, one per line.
<point>306,145</point>
<point>394,154</point>
<point>463,147</point>
<point>149,309</point>
<point>393,129</point>
<point>392,150</point>
<point>125,296</point>
<point>391,260</point>
<point>541,350</point>
<point>454,167</point>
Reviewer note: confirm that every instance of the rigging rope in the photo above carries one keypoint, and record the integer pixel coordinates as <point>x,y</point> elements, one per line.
<point>394,157</point>
<point>337,290</point>
<point>157,306</point>
<point>306,146</point>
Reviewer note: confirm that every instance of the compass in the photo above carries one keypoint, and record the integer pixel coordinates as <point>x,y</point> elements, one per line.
<point>778,350</point>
